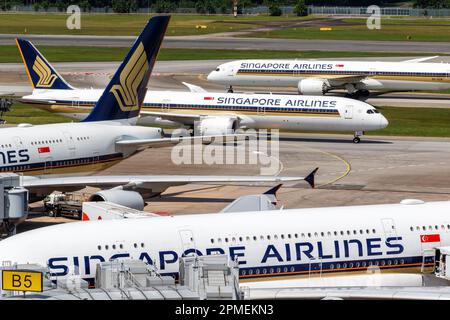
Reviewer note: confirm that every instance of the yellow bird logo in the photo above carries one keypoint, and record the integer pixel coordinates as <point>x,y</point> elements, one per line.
<point>46,78</point>
<point>130,79</point>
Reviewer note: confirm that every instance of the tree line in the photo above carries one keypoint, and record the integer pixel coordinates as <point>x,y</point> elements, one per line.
<point>207,6</point>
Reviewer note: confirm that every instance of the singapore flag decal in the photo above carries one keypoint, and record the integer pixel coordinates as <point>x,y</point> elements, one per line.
<point>44,149</point>
<point>430,238</point>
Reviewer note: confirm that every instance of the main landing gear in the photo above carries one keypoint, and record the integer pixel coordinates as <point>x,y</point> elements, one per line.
<point>230,89</point>
<point>357,138</point>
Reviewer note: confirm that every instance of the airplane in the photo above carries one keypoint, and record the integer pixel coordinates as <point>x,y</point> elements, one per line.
<point>207,113</point>
<point>317,77</point>
<point>286,245</point>
<point>105,137</point>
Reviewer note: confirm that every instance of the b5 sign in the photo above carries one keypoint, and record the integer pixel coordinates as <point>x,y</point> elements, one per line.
<point>22,280</point>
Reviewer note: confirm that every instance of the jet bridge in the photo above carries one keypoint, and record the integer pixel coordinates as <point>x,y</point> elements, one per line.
<point>13,203</point>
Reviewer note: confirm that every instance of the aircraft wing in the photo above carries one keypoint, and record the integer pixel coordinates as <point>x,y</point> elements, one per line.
<point>420,59</point>
<point>167,142</point>
<point>187,119</point>
<point>39,183</point>
<point>340,80</point>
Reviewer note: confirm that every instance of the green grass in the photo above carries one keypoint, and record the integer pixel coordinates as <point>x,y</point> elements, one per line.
<point>23,113</point>
<point>127,24</point>
<point>421,122</point>
<point>89,54</point>
<point>391,30</point>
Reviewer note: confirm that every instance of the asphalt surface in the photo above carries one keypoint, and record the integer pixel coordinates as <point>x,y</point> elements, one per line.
<point>169,75</point>
<point>224,41</point>
<point>378,170</point>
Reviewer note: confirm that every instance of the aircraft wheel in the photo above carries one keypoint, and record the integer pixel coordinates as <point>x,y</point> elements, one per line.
<point>356,140</point>
<point>230,90</point>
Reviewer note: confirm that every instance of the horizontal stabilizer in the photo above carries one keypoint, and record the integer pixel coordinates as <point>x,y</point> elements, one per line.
<point>310,178</point>
<point>193,87</point>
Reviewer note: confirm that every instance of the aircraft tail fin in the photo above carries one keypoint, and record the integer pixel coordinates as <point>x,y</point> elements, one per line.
<point>40,72</point>
<point>123,97</point>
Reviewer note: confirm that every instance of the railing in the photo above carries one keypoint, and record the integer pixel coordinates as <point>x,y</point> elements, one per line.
<point>318,10</point>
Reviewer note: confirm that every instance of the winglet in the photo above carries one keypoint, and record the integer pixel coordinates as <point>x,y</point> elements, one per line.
<point>310,178</point>
<point>41,73</point>
<point>123,96</point>
<point>273,191</point>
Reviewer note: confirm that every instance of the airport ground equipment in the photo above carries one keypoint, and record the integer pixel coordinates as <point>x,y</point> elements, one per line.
<point>203,277</point>
<point>65,204</point>
<point>442,263</point>
<point>13,203</point>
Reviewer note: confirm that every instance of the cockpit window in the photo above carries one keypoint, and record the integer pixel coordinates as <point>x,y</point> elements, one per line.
<point>376,111</point>
<point>369,111</point>
<point>218,69</point>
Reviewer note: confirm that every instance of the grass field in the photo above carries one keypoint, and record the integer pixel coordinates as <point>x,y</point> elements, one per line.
<point>424,122</point>
<point>22,113</point>
<point>419,29</point>
<point>127,24</point>
<point>89,54</point>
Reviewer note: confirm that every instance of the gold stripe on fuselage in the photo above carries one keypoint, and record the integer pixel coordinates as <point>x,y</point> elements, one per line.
<point>71,109</point>
<point>413,268</point>
<point>344,76</point>
<point>76,168</point>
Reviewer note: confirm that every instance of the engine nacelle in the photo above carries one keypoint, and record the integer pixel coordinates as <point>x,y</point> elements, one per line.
<point>313,87</point>
<point>130,199</point>
<point>215,126</point>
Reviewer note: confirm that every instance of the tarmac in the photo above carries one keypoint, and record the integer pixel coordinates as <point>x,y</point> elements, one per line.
<point>378,170</point>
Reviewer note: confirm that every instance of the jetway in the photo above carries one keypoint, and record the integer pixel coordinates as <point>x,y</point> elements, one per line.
<point>13,203</point>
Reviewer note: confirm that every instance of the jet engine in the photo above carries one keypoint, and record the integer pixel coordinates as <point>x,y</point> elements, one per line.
<point>215,126</point>
<point>313,87</point>
<point>131,199</point>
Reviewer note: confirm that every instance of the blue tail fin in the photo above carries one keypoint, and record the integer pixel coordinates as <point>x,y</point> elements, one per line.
<point>41,73</point>
<point>123,97</point>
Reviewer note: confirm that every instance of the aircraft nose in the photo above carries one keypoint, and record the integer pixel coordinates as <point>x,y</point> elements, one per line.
<point>383,122</point>
<point>210,76</point>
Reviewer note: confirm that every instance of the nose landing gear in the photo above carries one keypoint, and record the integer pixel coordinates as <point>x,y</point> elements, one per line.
<point>230,89</point>
<point>357,136</point>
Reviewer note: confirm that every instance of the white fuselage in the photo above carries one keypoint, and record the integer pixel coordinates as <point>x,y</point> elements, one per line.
<point>268,245</point>
<point>255,111</point>
<point>67,147</point>
<point>369,75</point>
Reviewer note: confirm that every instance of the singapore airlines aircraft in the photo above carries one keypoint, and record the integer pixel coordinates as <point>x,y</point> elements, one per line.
<point>107,135</point>
<point>316,77</point>
<point>289,244</point>
<point>208,113</point>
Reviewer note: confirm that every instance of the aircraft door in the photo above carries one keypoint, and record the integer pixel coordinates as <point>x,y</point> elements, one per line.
<point>389,227</point>
<point>315,267</point>
<point>165,106</point>
<point>70,143</point>
<point>18,142</point>
<point>261,110</point>
<point>186,240</point>
<point>348,112</point>
<point>48,165</point>
<point>96,157</point>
